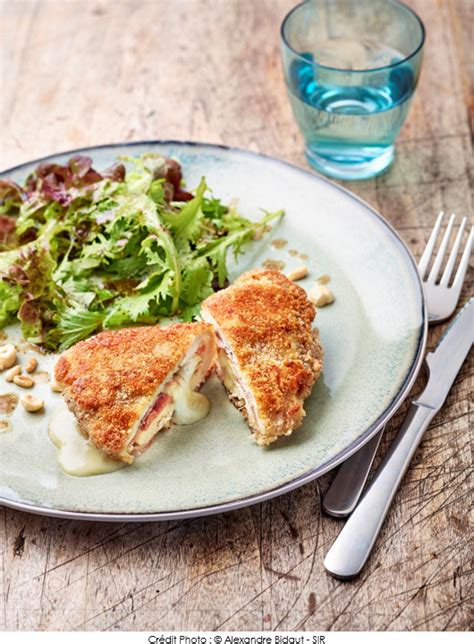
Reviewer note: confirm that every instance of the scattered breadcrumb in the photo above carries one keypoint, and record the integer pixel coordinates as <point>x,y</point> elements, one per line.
<point>5,426</point>
<point>296,253</point>
<point>273,264</point>
<point>279,243</point>
<point>324,279</point>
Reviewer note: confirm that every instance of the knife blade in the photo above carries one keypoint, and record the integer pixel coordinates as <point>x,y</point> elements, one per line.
<point>350,551</point>
<point>445,362</point>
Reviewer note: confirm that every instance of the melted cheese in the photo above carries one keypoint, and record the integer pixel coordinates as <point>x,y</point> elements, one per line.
<point>228,377</point>
<point>76,455</point>
<point>189,406</point>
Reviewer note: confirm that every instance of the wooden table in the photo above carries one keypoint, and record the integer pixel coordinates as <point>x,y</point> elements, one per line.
<point>83,72</point>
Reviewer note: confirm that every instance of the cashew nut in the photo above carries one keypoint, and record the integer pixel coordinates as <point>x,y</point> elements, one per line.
<point>23,381</point>
<point>320,295</point>
<point>12,372</point>
<point>298,273</point>
<point>7,356</point>
<point>32,403</point>
<point>31,365</point>
<point>55,387</point>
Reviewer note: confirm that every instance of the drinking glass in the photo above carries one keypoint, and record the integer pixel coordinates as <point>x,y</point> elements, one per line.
<point>351,68</point>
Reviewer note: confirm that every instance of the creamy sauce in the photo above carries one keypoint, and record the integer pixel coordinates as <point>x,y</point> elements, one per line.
<point>5,426</point>
<point>8,403</point>
<point>76,455</point>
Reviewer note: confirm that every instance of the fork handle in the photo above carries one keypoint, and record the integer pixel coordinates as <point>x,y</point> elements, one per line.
<point>346,488</point>
<point>354,544</point>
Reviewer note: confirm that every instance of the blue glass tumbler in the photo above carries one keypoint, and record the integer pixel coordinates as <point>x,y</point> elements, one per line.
<point>351,68</point>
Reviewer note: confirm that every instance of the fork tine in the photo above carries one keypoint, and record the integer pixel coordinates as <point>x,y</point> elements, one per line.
<point>442,251</point>
<point>458,280</point>
<point>425,258</point>
<point>453,255</point>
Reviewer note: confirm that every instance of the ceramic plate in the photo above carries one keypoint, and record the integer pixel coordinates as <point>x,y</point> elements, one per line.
<point>373,336</point>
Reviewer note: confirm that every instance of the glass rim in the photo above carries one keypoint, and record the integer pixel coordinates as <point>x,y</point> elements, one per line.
<point>354,71</point>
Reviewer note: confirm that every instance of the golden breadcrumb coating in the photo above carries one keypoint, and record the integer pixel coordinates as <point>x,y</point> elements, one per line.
<point>264,320</point>
<point>109,380</point>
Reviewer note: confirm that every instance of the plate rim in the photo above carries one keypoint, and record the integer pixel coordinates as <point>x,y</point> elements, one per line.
<point>299,481</point>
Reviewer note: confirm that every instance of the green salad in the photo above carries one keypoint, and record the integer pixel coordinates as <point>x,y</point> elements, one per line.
<point>82,250</point>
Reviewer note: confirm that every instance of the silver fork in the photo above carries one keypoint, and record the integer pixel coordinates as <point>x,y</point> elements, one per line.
<point>441,299</point>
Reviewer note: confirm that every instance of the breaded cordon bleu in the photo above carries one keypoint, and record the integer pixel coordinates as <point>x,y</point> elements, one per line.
<point>125,386</point>
<point>269,357</point>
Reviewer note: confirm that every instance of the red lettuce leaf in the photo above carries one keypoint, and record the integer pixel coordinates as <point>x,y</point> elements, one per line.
<point>54,181</point>
<point>7,231</point>
<point>11,191</point>
<point>174,177</point>
<point>30,268</point>
<point>116,172</point>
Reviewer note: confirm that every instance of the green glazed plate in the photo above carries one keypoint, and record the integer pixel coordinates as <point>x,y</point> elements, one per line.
<point>373,335</point>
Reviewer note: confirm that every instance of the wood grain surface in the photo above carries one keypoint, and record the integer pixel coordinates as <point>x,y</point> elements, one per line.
<point>83,72</point>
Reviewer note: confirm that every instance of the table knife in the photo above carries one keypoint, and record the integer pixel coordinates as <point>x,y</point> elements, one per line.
<point>350,551</point>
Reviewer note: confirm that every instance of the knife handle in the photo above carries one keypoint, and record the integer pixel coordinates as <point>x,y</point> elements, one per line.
<point>348,484</point>
<point>354,544</point>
